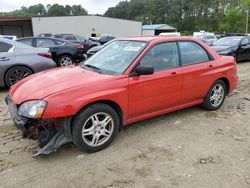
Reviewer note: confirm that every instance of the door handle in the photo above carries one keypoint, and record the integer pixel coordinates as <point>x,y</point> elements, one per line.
<point>174,74</point>
<point>210,66</point>
<point>4,59</point>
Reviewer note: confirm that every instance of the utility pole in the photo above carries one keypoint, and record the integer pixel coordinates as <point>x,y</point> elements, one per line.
<point>247,11</point>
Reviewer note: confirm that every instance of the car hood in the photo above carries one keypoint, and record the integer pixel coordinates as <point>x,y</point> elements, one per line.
<point>46,83</point>
<point>223,48</point>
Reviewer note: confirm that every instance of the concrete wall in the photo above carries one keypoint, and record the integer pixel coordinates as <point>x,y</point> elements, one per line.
<point>148,33</point>
<point>86,25</point>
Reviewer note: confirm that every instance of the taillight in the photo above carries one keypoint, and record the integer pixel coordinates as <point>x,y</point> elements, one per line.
<point>46,54</point>
<point>80,46</point>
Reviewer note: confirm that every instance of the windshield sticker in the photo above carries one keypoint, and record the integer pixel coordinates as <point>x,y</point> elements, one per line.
<point>132,48</point>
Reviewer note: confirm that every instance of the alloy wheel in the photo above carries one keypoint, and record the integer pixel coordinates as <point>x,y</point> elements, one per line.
<point>217,95</point>
<point>97,129</point>
<point>17,74</point>
<point>65,61</point>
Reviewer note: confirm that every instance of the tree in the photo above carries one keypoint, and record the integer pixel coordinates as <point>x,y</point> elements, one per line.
<point>57,10</point>
<point>78,10</point>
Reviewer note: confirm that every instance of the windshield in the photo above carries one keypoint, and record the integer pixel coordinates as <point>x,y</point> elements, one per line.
<point>228,41</point>
<point>116,57</point>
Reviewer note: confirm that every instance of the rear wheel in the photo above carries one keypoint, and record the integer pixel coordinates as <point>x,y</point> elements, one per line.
<point>215,96</point>
<point>95,127</point>
<point>15,74</point>
<point>65,60</point>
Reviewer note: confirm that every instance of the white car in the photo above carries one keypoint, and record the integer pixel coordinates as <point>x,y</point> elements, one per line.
<point>11,37</point>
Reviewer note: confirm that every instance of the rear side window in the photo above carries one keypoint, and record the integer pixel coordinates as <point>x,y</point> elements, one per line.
<point>5,47</point>
<point>26,41</point>
<point>70,38</point>
<point>192,53</point>
<point>245,41</point>
<point>44,43</point>
<point>59,42</point>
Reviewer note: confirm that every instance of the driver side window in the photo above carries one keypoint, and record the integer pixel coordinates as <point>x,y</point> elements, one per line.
<point>245,41</point>
<point>162,57</point>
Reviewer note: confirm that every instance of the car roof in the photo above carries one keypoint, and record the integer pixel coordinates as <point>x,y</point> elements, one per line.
<point>158,38</point>
<point>15,43</point>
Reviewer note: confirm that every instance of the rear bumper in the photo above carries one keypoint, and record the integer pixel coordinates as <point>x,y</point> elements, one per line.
<point>233,83</point>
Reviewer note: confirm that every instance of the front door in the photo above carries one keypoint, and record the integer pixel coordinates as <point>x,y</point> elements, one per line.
<point>161,90</point>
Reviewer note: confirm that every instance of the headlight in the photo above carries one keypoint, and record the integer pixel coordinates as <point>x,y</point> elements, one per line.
<point>32,109</point>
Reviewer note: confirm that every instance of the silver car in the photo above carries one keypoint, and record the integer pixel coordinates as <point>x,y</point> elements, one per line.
<point>18,61</point>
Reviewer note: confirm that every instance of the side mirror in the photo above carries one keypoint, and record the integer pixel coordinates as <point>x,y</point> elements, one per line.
<point>143,70</point>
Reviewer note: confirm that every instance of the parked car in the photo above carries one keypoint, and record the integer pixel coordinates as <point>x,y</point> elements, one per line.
<point>208,39</point>
<point>45,35</point>
<point>105,38</point>
<point>10,37</point>
<point>78,40</point>
<point>64,53</point>
<point>18,61</point>
<point>96,49</point>
<point>131,80</point>
<point>237,46</point>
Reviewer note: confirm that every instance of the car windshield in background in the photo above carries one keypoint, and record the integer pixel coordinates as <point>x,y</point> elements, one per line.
<point>116,57</point>
<point>228,41</point>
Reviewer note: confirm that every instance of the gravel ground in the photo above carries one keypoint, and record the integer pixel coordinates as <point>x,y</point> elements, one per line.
<point>188,148</point>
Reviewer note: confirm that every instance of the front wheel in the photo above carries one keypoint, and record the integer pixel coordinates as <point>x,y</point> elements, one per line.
<point>95,127</point>
<point>215,96</point>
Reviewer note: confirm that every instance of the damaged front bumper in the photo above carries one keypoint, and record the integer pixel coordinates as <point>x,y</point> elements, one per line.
<point>51,133</point>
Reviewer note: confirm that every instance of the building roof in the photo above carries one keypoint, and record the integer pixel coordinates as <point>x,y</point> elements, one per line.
<point>11,19</point>
<point>158,27</point>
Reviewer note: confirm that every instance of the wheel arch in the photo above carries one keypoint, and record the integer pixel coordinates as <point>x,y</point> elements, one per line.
<point>227,83</point>
<point>17,65</point>
<point>111,103</point>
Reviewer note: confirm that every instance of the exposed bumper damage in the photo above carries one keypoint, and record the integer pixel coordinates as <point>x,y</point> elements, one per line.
<point>51,133</point>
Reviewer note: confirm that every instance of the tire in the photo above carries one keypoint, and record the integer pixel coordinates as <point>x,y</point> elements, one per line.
<point>215,96</point>
<point>65,60</point>
<point>100,124</point>
<point>15,74</point>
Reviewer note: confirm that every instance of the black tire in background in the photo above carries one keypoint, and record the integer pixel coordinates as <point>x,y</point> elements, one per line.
<point>214,94</point>
<point>65,60</point>
<point>83,124</point>
<point>15,74</point>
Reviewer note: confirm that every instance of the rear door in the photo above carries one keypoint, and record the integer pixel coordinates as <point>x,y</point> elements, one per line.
<point>198,70</point>
<point>161,90</point>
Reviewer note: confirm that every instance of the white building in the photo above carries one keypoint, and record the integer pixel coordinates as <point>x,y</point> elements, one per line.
<point>86,26</point>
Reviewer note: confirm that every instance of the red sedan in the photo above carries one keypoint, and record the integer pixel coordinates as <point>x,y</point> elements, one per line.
<point>129,80</point>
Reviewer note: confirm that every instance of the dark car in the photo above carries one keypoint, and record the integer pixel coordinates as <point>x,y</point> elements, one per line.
<point>237,46</point>
<point>105,38</point>
<point>78,40</point>
<point>63,52</point>
<point>96,49</point>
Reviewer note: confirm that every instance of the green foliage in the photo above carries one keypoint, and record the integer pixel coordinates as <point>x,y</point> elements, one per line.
<point>49,10</point>
<point>78,10</point>
<point>186,15</point>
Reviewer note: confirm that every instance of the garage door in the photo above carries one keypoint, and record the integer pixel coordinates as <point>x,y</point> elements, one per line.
<point>12,30</point>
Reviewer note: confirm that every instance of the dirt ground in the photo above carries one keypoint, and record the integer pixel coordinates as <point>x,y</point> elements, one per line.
<point>188,148</point>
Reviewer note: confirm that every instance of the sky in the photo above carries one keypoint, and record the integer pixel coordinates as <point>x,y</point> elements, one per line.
<point>92,6</point>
